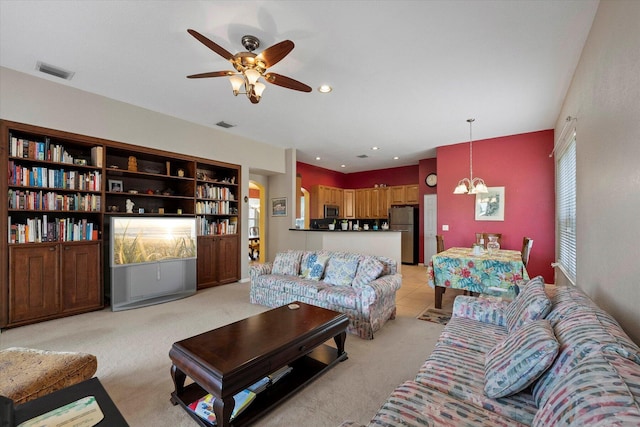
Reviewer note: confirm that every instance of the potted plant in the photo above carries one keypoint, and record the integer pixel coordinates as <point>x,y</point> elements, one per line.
<point>344,224</point>
<point>332,225</point>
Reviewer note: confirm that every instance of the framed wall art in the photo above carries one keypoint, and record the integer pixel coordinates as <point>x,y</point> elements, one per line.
<point>279,206</point>
<point>490,206</point>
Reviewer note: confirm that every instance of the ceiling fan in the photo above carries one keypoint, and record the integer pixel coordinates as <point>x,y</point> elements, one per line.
<point>250,67</point>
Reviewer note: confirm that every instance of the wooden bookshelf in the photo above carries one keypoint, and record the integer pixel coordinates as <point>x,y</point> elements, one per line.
<point>62,189</point>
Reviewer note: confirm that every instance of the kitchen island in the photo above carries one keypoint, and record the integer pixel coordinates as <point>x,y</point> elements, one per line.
<point>369,242</point>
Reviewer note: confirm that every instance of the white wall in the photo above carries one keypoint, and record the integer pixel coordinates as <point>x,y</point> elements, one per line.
<point>605,98</point>
<point>37,101</point>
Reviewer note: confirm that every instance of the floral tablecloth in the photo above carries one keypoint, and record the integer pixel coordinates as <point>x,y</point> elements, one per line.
<point>458,268</point>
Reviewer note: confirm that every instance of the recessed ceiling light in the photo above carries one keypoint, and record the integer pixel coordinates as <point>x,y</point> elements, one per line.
<point>317,158</point>
<point>374,148</point>
<point>325,89</point>
<point>395,157</point>
<point>343,166</point>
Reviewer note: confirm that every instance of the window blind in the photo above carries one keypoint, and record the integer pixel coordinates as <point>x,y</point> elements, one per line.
<point>566,207</point>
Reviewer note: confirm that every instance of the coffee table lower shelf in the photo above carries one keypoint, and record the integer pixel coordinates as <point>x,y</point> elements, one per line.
<point>305,369</point>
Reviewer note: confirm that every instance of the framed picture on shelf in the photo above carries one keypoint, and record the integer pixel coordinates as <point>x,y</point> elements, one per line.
<point>279,206</point>
<point>490,206</point>
<point>115,186</point>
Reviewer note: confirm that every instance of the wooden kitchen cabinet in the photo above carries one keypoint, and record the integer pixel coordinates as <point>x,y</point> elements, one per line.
<point>404,195</point>
<point>324,195</point>
<point>349,204</point>
<point>412,194</point>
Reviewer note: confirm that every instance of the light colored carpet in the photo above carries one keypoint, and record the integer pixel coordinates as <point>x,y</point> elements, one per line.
<point>132,348</point>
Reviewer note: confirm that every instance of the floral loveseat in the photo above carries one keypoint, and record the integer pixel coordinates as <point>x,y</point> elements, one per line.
<point>361,286</point>
<point>549,358</point>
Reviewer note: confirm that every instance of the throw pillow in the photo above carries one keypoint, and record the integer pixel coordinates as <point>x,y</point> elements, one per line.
<point>287,263</point>
<point>313,265</point>
<point>369,269</point>
<point>341,270</point>
<point>515,363</point>
<point>532,304</point>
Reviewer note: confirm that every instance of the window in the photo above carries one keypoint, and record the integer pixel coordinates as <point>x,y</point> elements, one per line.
<point>566,206</point>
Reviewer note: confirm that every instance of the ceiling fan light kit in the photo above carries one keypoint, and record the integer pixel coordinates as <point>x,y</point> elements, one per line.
<point>251,67</point>
<point>471,185</point>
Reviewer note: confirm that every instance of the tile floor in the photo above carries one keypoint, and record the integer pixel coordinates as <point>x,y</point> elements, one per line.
<point>415,295</point>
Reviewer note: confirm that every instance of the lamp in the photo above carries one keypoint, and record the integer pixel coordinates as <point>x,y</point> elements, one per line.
<point>248,78</point>
<point>471,185</point>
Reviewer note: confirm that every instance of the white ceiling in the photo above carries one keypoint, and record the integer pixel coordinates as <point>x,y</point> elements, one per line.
<point>406,74</point>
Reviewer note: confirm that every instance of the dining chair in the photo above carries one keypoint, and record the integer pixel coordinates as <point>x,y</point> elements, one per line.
<point>439,243</point>
<point>527,243</point>
<point>485,237</point>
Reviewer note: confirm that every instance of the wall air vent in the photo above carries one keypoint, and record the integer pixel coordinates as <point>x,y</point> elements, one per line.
<point>54,71</point>
<point>362,156</point>
<point>225,125</point>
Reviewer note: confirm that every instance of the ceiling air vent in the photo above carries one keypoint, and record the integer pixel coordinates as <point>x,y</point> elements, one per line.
<point>225,125</point>
<point>362,156</point>
<point>54,71</point>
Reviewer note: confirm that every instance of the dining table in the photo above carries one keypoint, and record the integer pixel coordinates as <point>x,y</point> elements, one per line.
<point>494,272</point>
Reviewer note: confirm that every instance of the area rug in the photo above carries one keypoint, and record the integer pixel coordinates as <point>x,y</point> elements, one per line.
<point>436,316</point>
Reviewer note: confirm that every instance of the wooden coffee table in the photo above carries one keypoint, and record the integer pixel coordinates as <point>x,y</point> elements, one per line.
<point>229,359</point>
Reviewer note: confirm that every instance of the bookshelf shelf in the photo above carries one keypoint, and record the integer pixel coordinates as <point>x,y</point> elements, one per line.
<point>77,173</point>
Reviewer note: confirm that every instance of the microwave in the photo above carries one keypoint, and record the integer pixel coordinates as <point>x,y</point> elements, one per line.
<point>331,211</point>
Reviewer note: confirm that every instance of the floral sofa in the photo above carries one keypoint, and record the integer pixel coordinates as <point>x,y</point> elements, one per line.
<point>549,358</point>
<point>361,286</point>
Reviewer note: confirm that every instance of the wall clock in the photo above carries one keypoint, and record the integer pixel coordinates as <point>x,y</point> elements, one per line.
<point>431,180</point>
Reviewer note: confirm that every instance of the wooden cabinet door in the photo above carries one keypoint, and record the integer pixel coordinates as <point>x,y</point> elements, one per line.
<point>34,286</point>
<point>226,253</point>
<point>348,203</point>
<point>80,275</point>
<point>363,203</point>
<point>397,195</point>
<point>383,203</point>
<point>206,270</point>
<point>411,194</point>
<point>375,202</point>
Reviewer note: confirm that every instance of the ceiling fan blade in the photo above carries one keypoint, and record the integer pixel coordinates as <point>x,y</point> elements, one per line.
<point>274,54</point>
<point>211,45</point>
<point>287,82</point>
<point>211,74</point>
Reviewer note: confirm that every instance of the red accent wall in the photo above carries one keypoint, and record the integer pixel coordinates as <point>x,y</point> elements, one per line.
<point>522,165</point>
<point>254,193</point>
<point>403,175</point>
<point>314,175</point>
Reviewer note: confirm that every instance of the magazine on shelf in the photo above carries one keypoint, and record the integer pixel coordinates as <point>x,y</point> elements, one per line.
<point>203,407</point>
<point>272,378</point>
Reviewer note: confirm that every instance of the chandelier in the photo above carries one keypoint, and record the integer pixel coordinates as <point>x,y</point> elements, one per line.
<point>471,185</point>
<point>248,78</point>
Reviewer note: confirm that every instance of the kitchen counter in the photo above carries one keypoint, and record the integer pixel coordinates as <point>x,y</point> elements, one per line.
<point>369,242</point>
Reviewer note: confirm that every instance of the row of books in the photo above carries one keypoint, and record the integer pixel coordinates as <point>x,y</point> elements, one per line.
<point>203,407</point>
<point>205,227</point>
<point>37,230</point>
<point>37,176</point>
<point>35,150</point>
<point>52,201</point>
<point>215,208</point>
<point>213,192</point>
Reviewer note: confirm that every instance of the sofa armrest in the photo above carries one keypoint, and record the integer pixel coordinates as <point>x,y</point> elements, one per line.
<point>256,270</point>
<point>486,310</point>
<point>381,287</point>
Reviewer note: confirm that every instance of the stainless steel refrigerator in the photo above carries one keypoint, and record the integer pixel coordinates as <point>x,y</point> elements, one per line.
<point>405,219</point>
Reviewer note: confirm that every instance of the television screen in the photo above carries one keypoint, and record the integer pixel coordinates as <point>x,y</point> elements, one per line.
<point>138,240</point>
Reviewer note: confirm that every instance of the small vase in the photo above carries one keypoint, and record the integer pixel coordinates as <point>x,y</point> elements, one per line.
<point>493,245</point>
<point>344,225</point>
<point>332,226</point>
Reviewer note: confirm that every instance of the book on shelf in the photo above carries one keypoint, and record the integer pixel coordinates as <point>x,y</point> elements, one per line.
<point>203,407</point>
<point>96,156</point>
<point>270,379</point>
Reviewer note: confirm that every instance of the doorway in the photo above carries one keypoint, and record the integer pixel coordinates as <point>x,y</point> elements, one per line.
<point>430,226</point>
<point>256,244</point>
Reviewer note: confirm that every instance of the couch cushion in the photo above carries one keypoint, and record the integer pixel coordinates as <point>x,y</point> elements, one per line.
<point>414,405</point>
<point>369,269</point>
<point>313,265</point>
<point>515,363</point>
<point>531,304</point>
<point>341,296</point>
<point>459,372</point>
<point>593,393</point>
<point>287,263</point>
<point>471,334</point>
<point>341,269</point>
<point>29,373</point>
